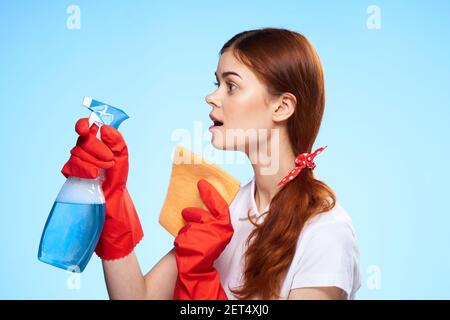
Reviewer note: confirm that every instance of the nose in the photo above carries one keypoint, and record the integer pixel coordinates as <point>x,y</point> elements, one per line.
<point>212,100</point>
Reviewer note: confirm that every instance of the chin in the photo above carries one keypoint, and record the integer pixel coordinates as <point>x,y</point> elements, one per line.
<point>218,142</point>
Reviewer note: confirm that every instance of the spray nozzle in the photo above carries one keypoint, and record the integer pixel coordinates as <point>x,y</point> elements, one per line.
<point>103,113</point>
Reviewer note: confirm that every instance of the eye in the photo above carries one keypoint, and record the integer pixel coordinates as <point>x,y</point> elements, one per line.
<point>229,84</point>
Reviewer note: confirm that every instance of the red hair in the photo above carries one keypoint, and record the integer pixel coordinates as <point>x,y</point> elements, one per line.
<point>286,62</point>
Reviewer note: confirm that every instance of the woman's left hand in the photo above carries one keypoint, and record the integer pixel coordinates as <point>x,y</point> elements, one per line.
<point>199,243</point>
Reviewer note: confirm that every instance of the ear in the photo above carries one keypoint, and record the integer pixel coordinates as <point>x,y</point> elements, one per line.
<point>284,107</point>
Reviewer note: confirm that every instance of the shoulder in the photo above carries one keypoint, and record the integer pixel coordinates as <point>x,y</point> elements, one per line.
<point>328,242</point>
<point>335,224</point>
<point>328,253</point>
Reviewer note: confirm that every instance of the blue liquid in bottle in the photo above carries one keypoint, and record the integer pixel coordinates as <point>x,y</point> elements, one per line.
<point>72,232</point>
<point>74,225</point>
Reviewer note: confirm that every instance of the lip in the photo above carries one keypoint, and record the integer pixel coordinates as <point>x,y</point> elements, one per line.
<point>213,127</point>
<point>214,118</point>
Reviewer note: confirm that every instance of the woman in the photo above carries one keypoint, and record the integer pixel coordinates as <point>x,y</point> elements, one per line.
<point>284,236</point>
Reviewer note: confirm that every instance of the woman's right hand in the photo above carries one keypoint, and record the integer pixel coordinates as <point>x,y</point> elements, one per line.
<point>122,229</point>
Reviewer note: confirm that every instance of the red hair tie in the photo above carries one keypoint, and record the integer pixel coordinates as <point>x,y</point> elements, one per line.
<point>303,160</point>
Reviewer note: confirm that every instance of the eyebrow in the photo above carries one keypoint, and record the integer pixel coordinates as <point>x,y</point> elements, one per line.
<point>226,73</point>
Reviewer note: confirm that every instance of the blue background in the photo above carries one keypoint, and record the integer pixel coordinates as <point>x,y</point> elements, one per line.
<point>386,122</point>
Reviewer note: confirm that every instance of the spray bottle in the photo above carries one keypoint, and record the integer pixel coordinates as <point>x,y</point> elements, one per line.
<point>76,219</point>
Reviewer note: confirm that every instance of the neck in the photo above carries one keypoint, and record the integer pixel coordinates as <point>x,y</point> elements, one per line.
<point>270,165</point>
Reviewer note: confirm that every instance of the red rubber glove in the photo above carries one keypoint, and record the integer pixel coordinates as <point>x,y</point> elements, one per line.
<point>199,243</point>
<point>122,230</point>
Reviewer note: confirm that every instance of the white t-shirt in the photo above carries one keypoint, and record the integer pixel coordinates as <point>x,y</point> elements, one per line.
<point>327,251</point>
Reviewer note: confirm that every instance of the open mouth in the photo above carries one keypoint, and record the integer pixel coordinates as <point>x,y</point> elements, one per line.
<point>217,122</point>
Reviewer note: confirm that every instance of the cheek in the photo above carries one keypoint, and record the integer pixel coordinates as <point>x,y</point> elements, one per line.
<point>247,112</point>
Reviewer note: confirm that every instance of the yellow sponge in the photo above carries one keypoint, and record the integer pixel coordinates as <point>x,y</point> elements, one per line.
<point>187,169</point>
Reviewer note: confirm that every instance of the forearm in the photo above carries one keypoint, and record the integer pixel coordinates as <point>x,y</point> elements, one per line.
<point>124,278</point>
